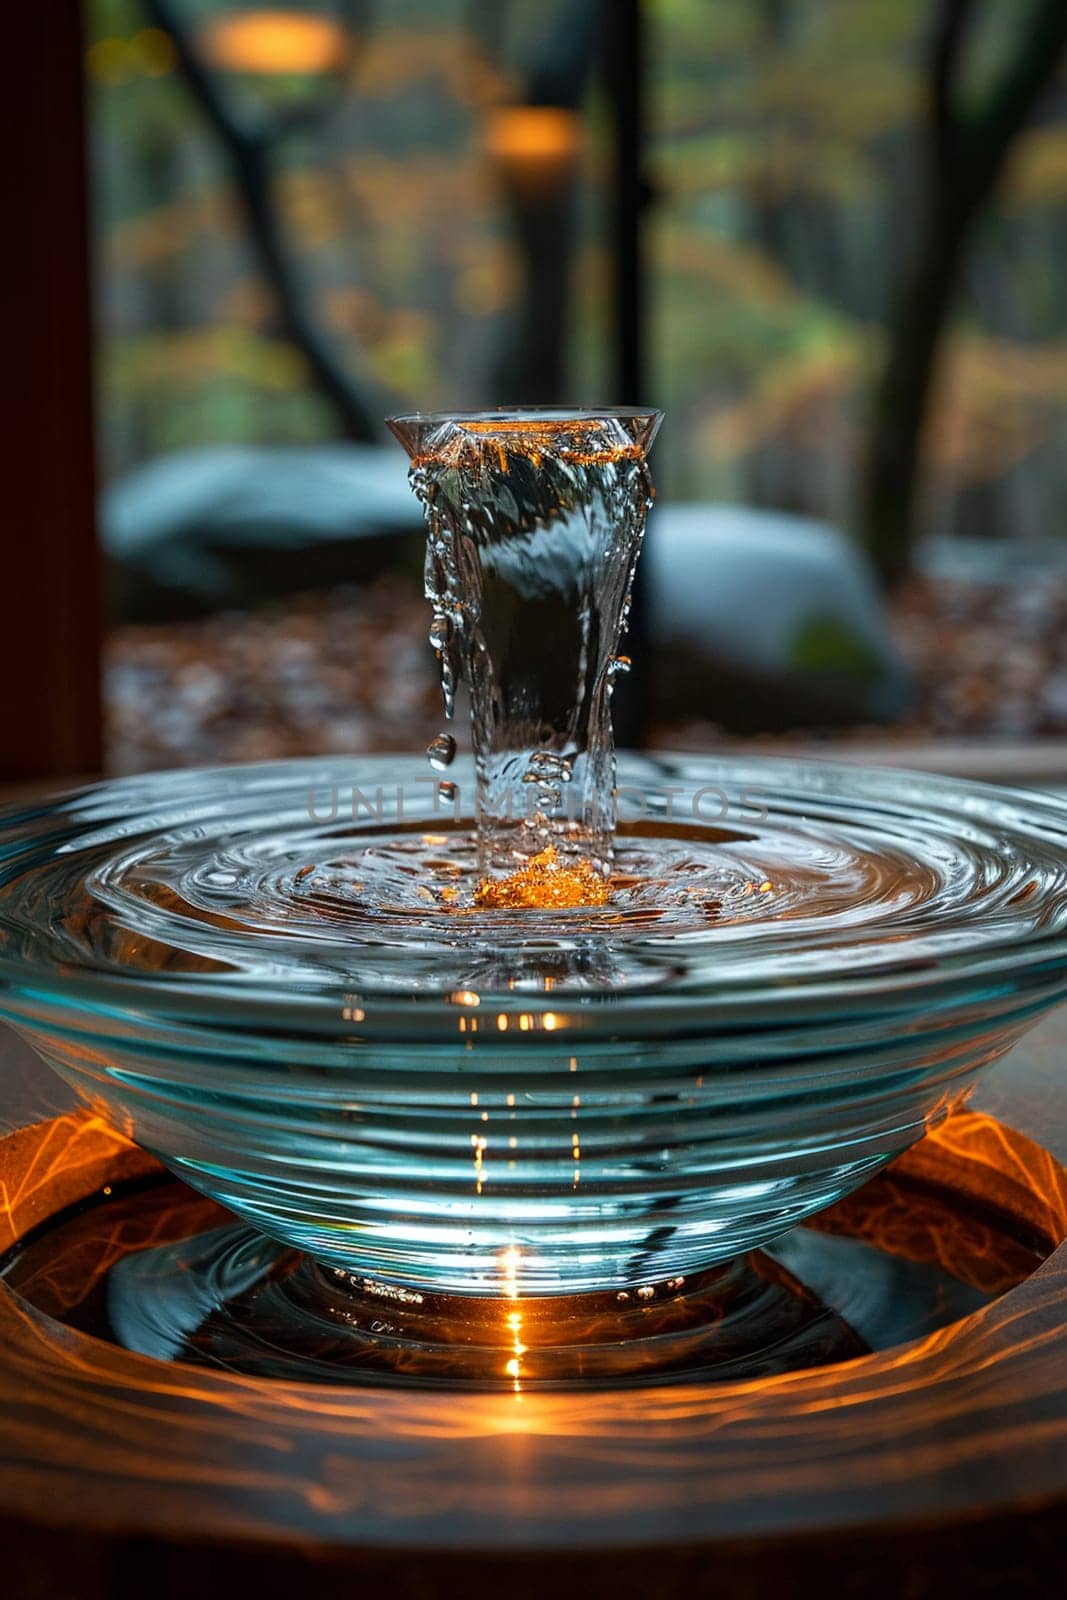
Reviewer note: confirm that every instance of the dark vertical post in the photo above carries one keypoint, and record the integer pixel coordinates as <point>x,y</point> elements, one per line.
<point>623,22</point>
<point>49,600</point>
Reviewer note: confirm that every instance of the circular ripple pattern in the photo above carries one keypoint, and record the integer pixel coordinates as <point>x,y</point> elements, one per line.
<point>275,978</point>
<point>367,878</point>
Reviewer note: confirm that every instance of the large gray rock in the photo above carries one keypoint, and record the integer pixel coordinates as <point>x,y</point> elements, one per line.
<point>214,528</point>
<point>759,621</point>
<point>762,621</point>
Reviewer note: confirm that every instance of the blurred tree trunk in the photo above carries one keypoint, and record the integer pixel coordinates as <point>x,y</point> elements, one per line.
<point>533,366</point>
<point>250,146</point>
<point>964,153</point>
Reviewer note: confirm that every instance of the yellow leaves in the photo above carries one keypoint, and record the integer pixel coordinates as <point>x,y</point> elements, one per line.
<point>772,164</point>
<point>995,403</point>
<point>398,58</point>
<point>403,198</point>
<point>489,284</point>
<point>397,344</point>
<point>724,264</point>
<point>190,359</point>
<point>312,206</point>
<point>248,303</point>
<point>405,359</point>
<point>355,312</point>
<point>792,397</point>
<point>166,231</point>
<point>114,60</point>
<point>823,91</point>
<point>1010,373</point>
<point>1037,175</point>
<point>418,191</point>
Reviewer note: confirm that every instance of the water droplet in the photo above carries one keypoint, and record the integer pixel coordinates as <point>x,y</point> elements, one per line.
<point>441,752</point>
<point>447,791</point>
<point>441,630</point>
<point>619,664</point>
<point>547,769</point>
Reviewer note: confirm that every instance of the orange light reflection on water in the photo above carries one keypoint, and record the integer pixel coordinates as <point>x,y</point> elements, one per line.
<point>114,1404</point>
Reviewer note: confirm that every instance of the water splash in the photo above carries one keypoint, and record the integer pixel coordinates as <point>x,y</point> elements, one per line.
<point>534,527</point>
<point>441,752</point>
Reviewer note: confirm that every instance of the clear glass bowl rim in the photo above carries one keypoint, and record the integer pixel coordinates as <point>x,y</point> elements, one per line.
<point>738,1005</point>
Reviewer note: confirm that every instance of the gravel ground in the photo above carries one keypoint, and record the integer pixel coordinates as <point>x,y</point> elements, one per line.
<point>351,671</point>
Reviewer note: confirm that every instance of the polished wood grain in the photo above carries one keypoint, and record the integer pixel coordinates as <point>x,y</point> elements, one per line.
<point>894,1472</point>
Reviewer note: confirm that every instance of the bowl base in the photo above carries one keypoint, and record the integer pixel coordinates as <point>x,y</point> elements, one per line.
<point>159,1270</point>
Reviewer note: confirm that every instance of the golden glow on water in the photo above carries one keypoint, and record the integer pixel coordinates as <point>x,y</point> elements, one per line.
<point>544,883</point>
<point>533,437</point>
<point>903,1212</point>
<point>530,425</point>
<point>510,1261</point>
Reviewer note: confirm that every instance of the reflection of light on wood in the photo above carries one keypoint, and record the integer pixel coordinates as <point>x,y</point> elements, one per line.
<point>274,42</point>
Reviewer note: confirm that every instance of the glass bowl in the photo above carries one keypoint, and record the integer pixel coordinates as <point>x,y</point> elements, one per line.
<point>272,977</point>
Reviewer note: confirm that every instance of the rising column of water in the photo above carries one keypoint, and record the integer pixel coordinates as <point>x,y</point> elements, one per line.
<point>534,527</point>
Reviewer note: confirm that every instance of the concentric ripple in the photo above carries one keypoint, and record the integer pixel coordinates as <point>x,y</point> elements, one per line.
<point>308,874</point>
